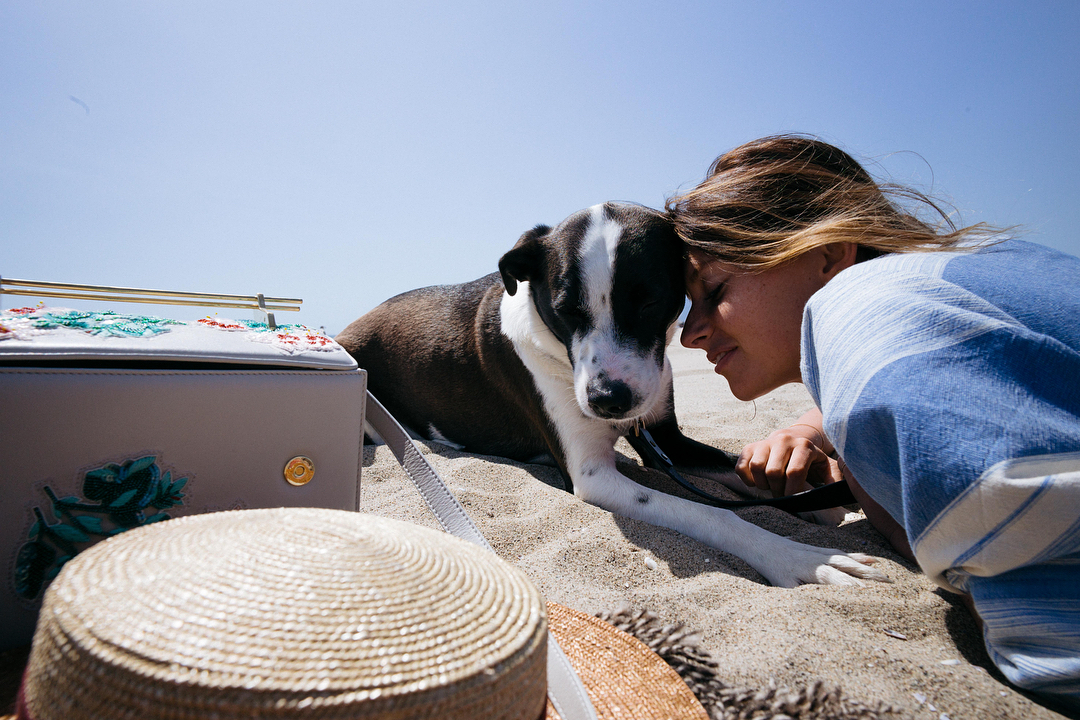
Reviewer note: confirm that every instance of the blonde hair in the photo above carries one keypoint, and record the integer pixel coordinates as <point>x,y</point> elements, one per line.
<point>772,199</point>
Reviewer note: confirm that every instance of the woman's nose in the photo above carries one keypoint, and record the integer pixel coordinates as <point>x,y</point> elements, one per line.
<point>695,331</point>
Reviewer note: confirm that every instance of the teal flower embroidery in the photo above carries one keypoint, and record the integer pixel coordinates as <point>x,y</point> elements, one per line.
<point>121,495</point>
<point>107,323</point>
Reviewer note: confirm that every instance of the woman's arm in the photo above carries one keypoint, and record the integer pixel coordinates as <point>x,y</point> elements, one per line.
<point>878,517</point>
<point>811,425</point>
<point>783,462</point>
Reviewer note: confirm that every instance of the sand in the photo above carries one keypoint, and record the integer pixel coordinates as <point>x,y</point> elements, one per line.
<point>587,558</point>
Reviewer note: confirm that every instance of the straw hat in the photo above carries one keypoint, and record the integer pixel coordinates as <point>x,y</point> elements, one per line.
<point>311,613</point>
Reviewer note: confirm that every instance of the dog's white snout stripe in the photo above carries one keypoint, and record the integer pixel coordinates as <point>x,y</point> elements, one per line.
<point>597,260</point>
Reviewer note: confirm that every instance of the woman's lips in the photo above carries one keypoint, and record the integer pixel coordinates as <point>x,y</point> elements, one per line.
<point>722,359</point>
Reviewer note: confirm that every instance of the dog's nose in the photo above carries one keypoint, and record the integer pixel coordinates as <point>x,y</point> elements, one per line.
<point>610,399</point>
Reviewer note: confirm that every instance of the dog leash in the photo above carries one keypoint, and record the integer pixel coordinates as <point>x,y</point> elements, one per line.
<point>820,498</point>
<point>565,690</point>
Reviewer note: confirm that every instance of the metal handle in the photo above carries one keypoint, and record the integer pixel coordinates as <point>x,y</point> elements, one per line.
<point>110,293</point>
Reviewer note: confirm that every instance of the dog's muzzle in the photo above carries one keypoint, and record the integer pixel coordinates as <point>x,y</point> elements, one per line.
<point>609,399</point>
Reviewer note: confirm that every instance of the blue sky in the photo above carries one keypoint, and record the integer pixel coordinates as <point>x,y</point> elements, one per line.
<point>343,152</point>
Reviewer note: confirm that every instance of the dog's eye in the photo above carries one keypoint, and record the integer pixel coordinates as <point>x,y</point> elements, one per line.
<point>644,298</point>
<point>572,312</point>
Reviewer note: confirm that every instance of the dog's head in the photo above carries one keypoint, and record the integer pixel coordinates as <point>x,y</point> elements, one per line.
<point>608,283</point>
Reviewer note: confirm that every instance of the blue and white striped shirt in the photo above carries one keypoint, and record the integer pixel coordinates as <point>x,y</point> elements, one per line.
<point>950,384</point>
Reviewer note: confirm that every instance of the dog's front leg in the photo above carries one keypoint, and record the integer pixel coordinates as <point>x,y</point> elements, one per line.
<point>783,562</point>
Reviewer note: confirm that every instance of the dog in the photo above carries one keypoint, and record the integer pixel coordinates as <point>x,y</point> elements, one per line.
<point>559,354</point>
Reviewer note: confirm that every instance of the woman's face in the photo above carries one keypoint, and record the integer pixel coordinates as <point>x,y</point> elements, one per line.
<point>749,324</point>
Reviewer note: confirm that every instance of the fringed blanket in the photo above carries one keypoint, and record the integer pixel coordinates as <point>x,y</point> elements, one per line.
<point>950,384</point>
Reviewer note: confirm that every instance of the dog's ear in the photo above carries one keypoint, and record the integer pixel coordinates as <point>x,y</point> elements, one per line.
<point>525,261</point>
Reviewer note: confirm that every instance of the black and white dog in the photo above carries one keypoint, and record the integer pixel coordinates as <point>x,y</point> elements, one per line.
<point>559,353</point>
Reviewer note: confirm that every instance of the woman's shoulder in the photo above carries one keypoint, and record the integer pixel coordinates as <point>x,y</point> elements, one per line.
<point>905,304</point>
<point>1004,271</point>
<point>884,310</point>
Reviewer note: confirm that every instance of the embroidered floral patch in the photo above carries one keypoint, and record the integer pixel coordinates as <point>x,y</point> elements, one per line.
<point>121,493</point>
<point>290,338</point>
<point>222,324</point>
<point>14,326</point>
<point>26,322</point>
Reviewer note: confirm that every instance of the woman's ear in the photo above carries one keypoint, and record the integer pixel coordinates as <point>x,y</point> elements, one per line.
<point>837,256</point>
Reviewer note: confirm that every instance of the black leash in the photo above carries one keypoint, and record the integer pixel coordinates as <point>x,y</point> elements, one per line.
<point>820,498</point>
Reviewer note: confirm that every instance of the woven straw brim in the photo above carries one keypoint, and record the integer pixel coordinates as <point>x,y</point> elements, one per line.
<point>288,613</point>
<point>624,678</point>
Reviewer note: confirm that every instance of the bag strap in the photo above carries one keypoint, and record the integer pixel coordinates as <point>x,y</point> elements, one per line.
<point>565,690</point>
<point>442,503</point>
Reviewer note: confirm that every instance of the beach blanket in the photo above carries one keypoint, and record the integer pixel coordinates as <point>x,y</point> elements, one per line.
<point>949,383</point>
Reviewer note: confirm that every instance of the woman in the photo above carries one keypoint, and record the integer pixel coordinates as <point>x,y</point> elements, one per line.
<point>945,366</point>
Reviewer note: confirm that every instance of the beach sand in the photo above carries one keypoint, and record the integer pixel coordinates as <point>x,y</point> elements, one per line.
<point>587,558</point>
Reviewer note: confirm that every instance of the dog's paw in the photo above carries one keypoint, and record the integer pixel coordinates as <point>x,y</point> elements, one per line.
<point>806,565</point>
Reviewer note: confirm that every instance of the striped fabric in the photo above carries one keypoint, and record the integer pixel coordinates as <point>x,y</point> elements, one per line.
<point>950,385</point>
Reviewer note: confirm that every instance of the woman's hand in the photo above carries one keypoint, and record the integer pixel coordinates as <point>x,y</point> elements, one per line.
<point>790,459</point>
<point>786,462</point>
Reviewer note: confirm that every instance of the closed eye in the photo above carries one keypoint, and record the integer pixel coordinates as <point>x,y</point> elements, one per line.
<point>716,294</point>
<point>572,312</point>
